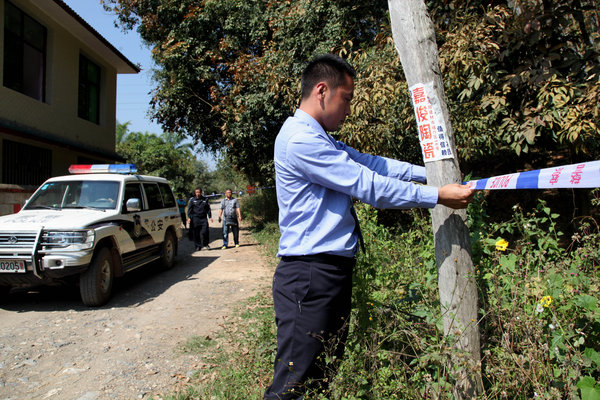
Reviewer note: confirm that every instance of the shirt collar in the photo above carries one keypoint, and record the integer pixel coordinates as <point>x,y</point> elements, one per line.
<point>308,119</point>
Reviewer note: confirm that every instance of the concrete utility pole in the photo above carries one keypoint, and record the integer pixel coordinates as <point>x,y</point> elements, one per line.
<point>414,37</point>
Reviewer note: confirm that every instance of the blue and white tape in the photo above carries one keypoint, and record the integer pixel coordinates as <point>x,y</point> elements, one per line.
<point>582,175</point>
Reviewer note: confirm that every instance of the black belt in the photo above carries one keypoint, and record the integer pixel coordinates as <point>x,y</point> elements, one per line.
<point>322,258</point>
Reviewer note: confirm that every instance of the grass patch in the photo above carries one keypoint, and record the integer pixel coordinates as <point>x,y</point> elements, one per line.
<point>197,344</point>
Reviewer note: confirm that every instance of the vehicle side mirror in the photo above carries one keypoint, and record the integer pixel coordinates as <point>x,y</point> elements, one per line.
<point>133,205</point>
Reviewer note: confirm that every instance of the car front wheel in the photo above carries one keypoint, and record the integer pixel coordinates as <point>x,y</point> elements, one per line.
<point>95,284</point>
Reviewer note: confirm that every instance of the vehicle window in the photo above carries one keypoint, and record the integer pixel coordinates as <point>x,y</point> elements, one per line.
<point>132,191</point>
<point>76,194</point>
<point>153,196</point>
<point>48,196</point>
<point>167,195</point>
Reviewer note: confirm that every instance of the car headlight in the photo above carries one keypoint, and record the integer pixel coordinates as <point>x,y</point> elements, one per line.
<point>71,240</point>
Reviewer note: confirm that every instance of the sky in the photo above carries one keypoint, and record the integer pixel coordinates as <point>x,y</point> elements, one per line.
<point>133,98</point>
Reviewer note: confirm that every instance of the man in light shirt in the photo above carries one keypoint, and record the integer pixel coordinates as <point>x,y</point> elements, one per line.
<point>316,179</point>
<point>230,212</point>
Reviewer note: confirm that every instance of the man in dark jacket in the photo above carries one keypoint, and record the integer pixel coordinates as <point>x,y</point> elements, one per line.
<point>198,211</point>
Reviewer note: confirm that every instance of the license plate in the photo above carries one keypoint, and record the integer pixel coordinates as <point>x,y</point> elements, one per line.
<point>12,266</point>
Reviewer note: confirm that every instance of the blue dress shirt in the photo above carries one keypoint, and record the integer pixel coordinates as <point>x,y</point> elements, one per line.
<point>316,178</point>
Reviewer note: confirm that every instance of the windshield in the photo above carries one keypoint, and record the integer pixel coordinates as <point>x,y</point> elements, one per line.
<point>101,195</point>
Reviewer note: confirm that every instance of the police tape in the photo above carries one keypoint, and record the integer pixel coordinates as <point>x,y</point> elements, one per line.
<point>581,175</point>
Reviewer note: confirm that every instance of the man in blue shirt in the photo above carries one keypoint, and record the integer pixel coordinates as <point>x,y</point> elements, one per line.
<point>181,204</point>
<point>316,179</point>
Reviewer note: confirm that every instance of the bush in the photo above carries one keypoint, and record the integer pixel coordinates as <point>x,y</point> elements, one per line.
<point>260,209</point>
<point>540,317</point>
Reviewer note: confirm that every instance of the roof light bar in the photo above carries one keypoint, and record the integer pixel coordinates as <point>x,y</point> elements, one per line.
<point>103,169</point>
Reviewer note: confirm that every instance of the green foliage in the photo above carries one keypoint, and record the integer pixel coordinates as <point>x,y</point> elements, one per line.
<point>223,177</point>
<point>163,156</point>
<point>522,79</point>
<point>529,68</point>
<point>229,69</point>
<point>382,115</point>
<point>261,208</point>
<point>539,312</point>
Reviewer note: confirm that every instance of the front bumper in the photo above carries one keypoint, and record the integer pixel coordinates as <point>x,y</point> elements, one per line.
<point>42,266</point>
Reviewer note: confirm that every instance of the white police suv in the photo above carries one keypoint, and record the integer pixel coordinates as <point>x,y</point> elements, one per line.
<point>89,227</point>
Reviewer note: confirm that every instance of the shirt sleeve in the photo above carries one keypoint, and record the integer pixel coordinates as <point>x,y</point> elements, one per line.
<point>386,166</point>
<point>378,181</point>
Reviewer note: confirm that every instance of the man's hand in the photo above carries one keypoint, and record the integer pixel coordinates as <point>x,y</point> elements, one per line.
<point>455,195</point>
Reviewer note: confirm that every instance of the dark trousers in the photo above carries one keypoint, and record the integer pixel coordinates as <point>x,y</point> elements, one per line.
<point>183,219</point>
<point>199,227</point>
<point>312,301</point>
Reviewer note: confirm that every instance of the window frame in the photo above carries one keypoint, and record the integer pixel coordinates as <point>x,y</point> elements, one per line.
<point>126,197</point>
<point>85,87</point>
<point>153,198</point>
<point>25,164</point>
<point>17,46</point>
<point>167,195</point>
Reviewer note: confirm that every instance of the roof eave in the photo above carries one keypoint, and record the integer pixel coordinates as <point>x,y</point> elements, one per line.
<point>78,27</point>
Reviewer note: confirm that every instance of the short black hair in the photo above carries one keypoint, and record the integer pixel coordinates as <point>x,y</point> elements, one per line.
<point>198,188</point>
<point>326,67</point>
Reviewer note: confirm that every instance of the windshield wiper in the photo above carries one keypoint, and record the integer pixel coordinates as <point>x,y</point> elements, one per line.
<point>87,208</point>
<point>38,206</point>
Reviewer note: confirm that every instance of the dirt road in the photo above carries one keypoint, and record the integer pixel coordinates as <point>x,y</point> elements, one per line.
<point>53,347</point>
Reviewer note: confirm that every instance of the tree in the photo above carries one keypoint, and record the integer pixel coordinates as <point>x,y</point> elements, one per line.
<point>121,131</point>
<point>160,156</point>
<point>415,41</point>
<point>229,69</point>
<point>522,81</point>
<point>521,78</point>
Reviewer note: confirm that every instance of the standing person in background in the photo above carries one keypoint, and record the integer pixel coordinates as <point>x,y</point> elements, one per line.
<point>316,178</point>
<point>198,211</point>
<point>231,213</point>
<point>181,205</point>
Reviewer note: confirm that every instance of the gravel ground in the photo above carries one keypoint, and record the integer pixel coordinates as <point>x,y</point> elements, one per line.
<point>53,347</point>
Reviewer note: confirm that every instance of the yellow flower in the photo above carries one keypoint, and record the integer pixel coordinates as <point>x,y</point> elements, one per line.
<point>501,245</point>
<point>546,301</point>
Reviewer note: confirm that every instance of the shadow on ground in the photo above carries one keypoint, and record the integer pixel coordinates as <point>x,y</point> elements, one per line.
<point>133,289</point>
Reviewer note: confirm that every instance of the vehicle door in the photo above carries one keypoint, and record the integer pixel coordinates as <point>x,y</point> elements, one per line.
<point>134,225</point>
<point>155,219</point>
<point>171,210</point>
